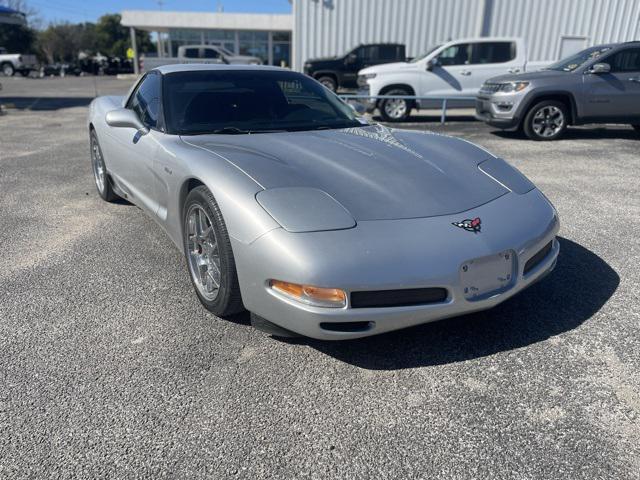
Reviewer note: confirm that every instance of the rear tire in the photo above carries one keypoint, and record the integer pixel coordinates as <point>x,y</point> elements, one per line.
<point>395,110</point>
<point>546,120</point>
<point>328,82</point>
<point>8,70</point>
<point>100,174</point>
<point>207,249</point>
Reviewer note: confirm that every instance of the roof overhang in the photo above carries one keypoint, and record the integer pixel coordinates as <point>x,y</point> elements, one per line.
<point>162,21</point>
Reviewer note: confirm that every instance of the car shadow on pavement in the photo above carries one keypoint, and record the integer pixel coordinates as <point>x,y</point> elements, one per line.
<point>579,286</point>
<point>586,133</point>
<point>44,103</point>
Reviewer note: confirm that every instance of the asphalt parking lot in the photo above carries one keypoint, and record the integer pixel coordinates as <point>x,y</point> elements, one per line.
<point>110,367</point>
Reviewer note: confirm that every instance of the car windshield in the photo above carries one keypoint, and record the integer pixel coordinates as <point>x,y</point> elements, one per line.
<point>424,55</point>
<point>574,61</point>
<point>250,101</point>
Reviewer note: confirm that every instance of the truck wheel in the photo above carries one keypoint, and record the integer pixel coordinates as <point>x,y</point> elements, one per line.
<point>7,69</point>
<point>25,73</point>
<point>395,109</point>
<point>100,174</point>
<point>546,120</point>
<point>328,82</point>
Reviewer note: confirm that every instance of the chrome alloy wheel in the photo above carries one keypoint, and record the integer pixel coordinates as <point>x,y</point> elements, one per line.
<point>97,162</point>
<point>203,253</point>
<point>395,108</point>
<point>548,121</point>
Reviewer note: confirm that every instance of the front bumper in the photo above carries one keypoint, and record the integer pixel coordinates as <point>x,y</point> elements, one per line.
<point>499,110</point>
<point>395,254</point>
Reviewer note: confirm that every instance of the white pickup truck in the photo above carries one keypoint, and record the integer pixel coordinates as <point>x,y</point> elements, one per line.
<point>455,70</point>
<point>200,54</point>
<point>11,63</point>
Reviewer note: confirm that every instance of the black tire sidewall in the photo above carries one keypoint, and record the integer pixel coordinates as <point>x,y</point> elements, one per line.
<point>5,65</point>
<point>329,79</point>
<point>228,300</point>
<point>528,120</point>
<point>383,103</point>
<point>107,194</point>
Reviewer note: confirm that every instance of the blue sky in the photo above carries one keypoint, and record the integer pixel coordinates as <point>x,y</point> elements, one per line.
<point>91,10</point>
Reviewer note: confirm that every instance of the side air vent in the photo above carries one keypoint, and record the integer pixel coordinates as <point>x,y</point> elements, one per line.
<point>398,298</point>
<point>534,261</point>
<point>347,326</point>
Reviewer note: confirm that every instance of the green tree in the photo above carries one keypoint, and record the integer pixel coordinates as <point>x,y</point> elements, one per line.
<point>60,43</point>
<point>17,38</point>
<point>114,39</point>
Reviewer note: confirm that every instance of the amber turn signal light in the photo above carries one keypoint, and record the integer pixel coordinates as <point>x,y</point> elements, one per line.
<point>310,295</point>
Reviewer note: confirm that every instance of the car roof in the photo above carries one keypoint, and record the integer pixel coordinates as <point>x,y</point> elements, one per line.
<point>197,67</point>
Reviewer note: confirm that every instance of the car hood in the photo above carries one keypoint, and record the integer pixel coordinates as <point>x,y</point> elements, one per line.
<point>529,76</point>
<point>388,67</point>
<point>374,172</point>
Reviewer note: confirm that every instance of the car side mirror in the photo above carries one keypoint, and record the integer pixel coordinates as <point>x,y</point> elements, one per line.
<point>600,68</point>
<point>351,58</point>
<point>123,117</point>
<point>431,64</point>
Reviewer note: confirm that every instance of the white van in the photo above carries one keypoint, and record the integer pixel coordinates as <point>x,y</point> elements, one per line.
<point>455,70</point>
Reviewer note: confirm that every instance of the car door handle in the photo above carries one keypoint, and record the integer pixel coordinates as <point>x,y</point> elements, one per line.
<point>466,73</point>
<point>514,70</point>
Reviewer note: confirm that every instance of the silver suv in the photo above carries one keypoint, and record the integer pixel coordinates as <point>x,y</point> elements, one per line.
<point>598,85</point>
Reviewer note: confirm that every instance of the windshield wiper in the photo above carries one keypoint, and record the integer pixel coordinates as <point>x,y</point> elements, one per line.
<point>230,131</point>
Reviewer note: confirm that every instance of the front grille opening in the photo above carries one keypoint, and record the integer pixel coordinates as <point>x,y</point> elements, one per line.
<point>534,261</point>
<point>347,326</point>
<point>398,298</point>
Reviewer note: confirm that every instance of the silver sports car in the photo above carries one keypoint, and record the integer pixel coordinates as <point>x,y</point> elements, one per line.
<point>288,204</point>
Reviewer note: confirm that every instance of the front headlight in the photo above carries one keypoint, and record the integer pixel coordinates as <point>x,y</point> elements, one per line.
<point>512,87</point>
<point>310,295</point>
<point>362,79</point>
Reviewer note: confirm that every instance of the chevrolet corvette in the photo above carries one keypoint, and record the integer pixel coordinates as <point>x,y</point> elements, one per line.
<point>288,204</point>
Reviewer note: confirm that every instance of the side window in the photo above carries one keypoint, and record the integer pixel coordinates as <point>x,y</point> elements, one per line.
<point>367,53</point>
<point>145,101</point>
<point>455,55</point>
<point>493,52</point>
<point>210,53</point>
<point>191,53</point>
<point>387,52</point>
<point>625,61</point>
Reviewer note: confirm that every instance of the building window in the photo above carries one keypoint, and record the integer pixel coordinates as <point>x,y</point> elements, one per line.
<point>255,44</point>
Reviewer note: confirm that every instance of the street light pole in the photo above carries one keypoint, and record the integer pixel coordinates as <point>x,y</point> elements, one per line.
<point>134,46</point>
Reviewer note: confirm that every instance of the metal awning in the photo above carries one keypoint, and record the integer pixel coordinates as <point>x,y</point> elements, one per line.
<point>11,16</point>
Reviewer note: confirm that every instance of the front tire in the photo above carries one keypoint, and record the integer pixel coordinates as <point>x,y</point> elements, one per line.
<point>100,175</point>
<point>207,249</point>
<point>328,82</point>
<point>395,110</point>
<point>8,70</point>
<point>546,120</point>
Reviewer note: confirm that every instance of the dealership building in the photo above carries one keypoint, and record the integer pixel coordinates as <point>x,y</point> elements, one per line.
<point>318,28</point>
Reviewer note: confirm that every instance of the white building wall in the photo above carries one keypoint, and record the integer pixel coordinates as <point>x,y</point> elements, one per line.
<point>543,22</point>
<point>331,27</point>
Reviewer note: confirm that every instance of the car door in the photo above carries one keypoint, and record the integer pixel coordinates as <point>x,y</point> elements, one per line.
<point>353,63</point>
<point>211,55</point>
<point>135,151</point>
<point>615,94</point>
<point>489,59</point>
<point>446,74</point>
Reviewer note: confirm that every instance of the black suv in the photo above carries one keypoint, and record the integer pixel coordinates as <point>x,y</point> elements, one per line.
<point>342,72</point>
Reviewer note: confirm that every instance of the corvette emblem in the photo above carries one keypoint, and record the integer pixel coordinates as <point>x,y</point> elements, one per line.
<point>470,225</point>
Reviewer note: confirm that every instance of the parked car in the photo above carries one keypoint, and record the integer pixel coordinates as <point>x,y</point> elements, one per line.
<point>342,71</point>
<point>600,84</point>
<point>455,69</point>
<point>11,63</point>
<point>200,54</point>
<point>287,204</point>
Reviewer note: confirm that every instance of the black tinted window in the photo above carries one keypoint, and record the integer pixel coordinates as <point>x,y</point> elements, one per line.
<point>239,101</point>
<point>455,55</point>
<point>367,53</point>
<point>388,52</point>
<point>191,52</point>
<point>625,61</point>
<point>146,100</point>
<point>493,52</point>
<point>210,53</point>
